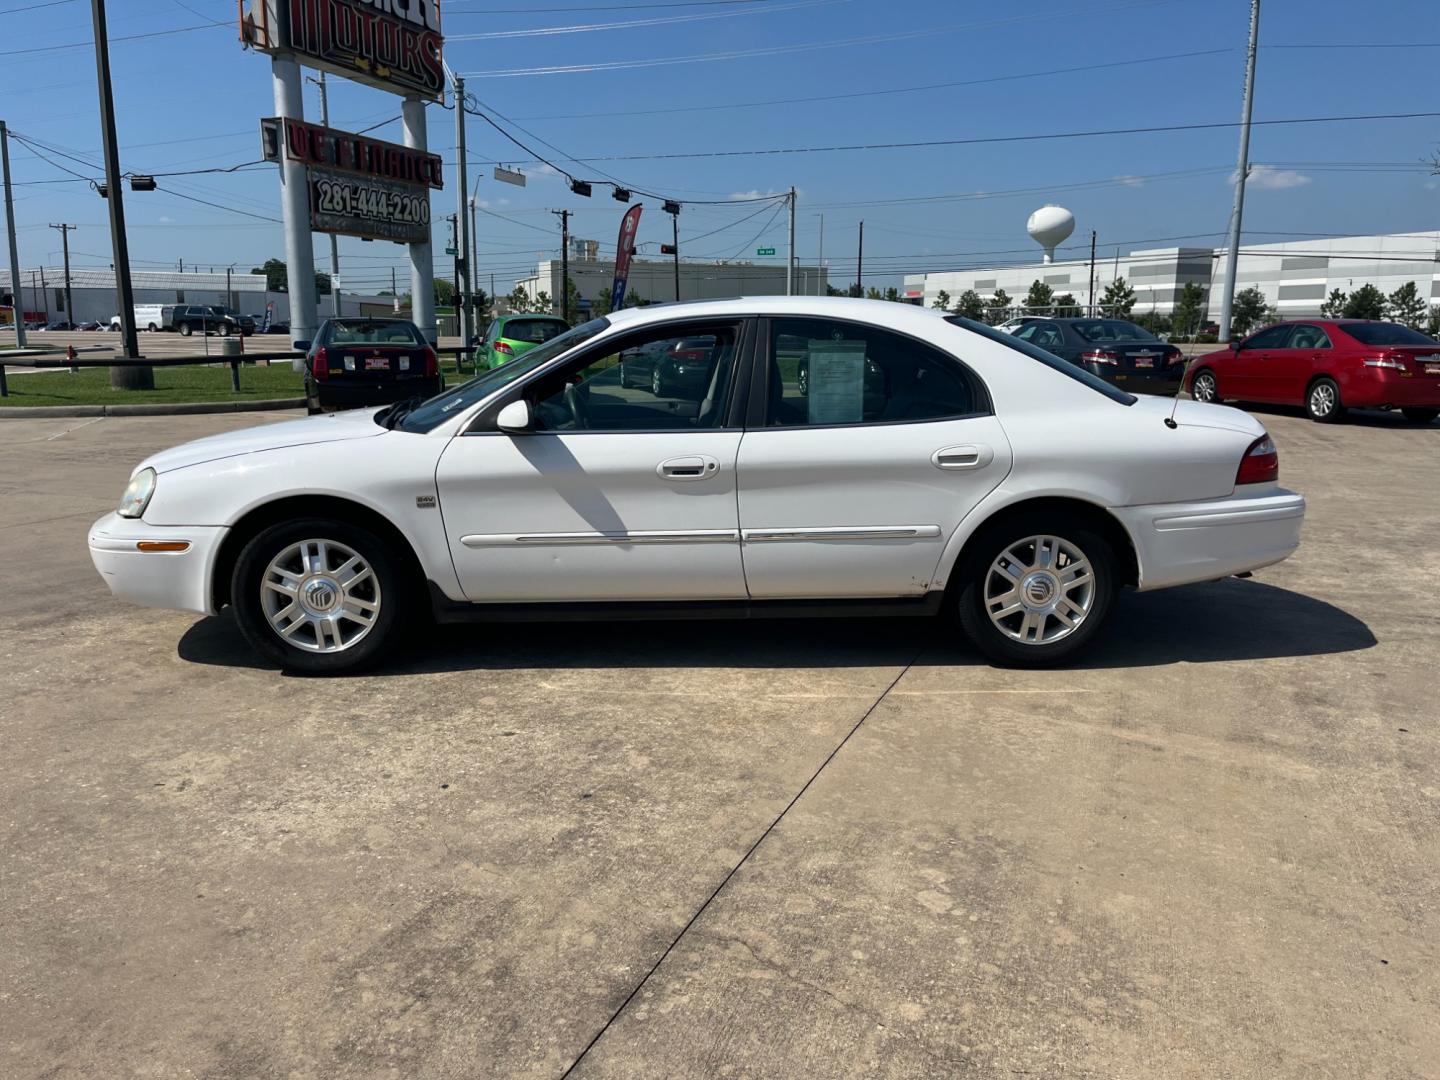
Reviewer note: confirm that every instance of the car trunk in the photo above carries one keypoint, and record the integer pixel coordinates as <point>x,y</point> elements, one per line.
<point>362,363</point>
<point>1422,360</point>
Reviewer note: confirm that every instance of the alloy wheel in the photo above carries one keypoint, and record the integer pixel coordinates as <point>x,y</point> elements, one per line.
<point>320,596</point>
<point>1039,590</point>
<point>1204,387</point>
<point>1322,399</point>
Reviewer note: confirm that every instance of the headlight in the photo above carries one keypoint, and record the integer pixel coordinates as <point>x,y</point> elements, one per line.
<point>137,494</point>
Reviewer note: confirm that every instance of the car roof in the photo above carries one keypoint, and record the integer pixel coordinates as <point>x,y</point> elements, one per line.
<point>884,312</point>
<point>529,315</point>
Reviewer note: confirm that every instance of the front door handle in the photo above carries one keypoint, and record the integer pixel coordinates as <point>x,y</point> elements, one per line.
<point>690,467</point>
<point>970,456</point>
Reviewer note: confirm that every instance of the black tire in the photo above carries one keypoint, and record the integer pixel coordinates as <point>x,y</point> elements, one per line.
<point>975,577</point>
<point>624,377</point>
<point>223,329</point>
<point>1203,387</point>
<point>185,329</point>
<point>368,646</point>
<point>1420,416</point>
<point>657,382</point>
<point>1322,401</point>
<point>802,380</point>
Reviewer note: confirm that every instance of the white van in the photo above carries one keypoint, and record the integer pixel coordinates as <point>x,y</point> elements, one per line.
<point>150,317</point>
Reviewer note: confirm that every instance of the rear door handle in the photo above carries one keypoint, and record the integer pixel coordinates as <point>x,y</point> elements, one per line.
<point>690,467</point>
<point>972,456</point>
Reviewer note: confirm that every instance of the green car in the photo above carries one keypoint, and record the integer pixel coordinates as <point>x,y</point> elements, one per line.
<point>510,335</point>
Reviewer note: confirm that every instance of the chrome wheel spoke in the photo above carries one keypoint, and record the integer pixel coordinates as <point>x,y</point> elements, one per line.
<point>1039,589</point>
<point>320,596</point>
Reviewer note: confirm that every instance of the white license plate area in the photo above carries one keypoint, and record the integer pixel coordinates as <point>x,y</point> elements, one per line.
<point>1144,361</point>
<point>377,363</point>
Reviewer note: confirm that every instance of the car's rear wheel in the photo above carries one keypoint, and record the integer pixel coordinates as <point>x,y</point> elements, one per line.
<point>318,597</point>
<point>1322,401</point>
<point>657,384</point>
<point>1203,388</point>
<point>186,329</point>
<point>1420,416</point>
<point>1036,590</point>
<point>802,380</point>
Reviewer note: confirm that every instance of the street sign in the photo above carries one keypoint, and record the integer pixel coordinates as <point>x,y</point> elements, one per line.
<point>450,251</point>
<point>510,176</point>
<point>764,251</point>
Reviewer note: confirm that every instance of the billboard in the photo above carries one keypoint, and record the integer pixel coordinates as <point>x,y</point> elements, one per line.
<point>311,144</point>
<point>364,206</point>
<point>624,249</point>
<point>392,45</point>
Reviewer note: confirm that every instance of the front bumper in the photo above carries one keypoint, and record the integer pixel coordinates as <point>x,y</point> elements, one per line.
<point>172,579</point>
<point>1179,543</point>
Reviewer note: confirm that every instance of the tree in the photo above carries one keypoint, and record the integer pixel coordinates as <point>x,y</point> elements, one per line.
<point>831,290</point>
<point>1407,306</point>
<point>1189,310</point>
<point>1433,326</point>
<point>277,277</point>
<point>942,300</point>
<point>873,293</point>
<point>572,302</point>
<point>970,305</point>
<point>1067,306</point>
<point>999,307</point>
<point>1366,302</point>
<point>1118,299</point>
<point>603,301</point>
<point>1334,307</point>
<point>519,300</point>
<point>1248,312</point>
<point>1153,321</point>
<point>634,299</point>
<point>1039,297</point>
<point>444,292</point>
<point>542,304</point>
<point>892,294</point>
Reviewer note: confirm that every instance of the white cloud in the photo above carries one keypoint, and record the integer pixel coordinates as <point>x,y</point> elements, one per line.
<point>756,193</point>
<point>1131,181</point>
<point>1269,178</point>
<point>545,170</point>
<point>1431,185</point>
<point>165,220</point>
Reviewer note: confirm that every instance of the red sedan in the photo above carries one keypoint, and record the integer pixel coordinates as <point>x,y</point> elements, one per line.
<point>1327,365</point>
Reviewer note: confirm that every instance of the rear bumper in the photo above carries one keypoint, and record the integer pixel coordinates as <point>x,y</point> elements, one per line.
<point>1380,388</point>
<point>179,580</point>
<point>328,395</point>
<point>1164,380</point>
<point>1179,543</point>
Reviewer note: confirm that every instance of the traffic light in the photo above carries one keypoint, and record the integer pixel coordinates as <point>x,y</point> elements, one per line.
<point>668,249</point>
<point>142,183</point>
<point>622,194</point>
<point>580,187</point>
<point>670,206</point>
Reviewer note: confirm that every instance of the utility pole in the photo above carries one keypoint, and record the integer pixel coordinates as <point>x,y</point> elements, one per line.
<point>65,231</point>
<point>454,246</point>
<point>334,240</point>
<point>1091,297</point>
<point>860,264</point>
<point>394,291</point>
<point>17,298</point>
<point>675,243</point>
<point>820,259</point>
<point>229,293</point>
<point>1242,169</point>
<point>564,216</point>
<point>790,252</point>
<point>475,262</point>
<point>462,232</point>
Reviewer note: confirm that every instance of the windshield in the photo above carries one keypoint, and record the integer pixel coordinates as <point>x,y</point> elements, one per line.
<point>1050,360</point>
<point>534,331</point>
<point>1385,333</point>
<point>372,332</point>
<point>445,405</point>
<point>1112,330</point>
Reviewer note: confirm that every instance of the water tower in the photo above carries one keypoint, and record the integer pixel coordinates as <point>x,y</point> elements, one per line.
<point>1050,226</point>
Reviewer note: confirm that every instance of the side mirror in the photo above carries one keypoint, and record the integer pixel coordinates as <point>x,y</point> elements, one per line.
<point>514,417</point>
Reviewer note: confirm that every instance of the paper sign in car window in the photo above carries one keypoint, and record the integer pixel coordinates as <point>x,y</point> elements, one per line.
<point>837,382</point>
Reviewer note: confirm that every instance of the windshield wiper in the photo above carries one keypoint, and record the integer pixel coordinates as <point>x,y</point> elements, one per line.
<point>397,412</point>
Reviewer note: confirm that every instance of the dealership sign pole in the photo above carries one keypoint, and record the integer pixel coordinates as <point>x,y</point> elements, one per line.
<point>336,182</point>
<point>624,248</point>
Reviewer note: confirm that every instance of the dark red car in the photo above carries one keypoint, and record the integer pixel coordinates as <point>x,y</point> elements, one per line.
<point>1328,366</point>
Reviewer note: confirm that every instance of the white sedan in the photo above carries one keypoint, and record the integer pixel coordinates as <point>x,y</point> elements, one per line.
<point>925,465</point>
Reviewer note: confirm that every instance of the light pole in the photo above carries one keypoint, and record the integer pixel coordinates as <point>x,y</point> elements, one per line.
<point>1232,254</point>
<point>17,299</point>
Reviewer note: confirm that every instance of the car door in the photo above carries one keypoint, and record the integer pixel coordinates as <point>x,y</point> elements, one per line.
<point>1253,377</point>
<point>616,494</point>
<point>853,486</point>
<point>1289,370</point>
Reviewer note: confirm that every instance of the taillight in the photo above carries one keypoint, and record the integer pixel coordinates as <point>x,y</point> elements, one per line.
<point>1392,362</point>
<point>1101,356</point>
<point>320,364</point>
<point>501,347</point>
<point>1173,356</point>
<point>432,364</point>
<point>1261,463</point>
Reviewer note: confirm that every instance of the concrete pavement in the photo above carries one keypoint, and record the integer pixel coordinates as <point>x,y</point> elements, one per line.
<point>1209,850</point>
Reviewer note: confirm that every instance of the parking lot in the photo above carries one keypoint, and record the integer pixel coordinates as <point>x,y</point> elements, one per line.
<point>842,848</point>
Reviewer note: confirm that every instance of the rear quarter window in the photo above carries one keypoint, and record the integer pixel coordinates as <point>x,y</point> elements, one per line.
<point>1050,360</point>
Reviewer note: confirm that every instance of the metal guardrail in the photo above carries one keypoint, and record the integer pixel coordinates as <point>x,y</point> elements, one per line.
<point>234,362</point>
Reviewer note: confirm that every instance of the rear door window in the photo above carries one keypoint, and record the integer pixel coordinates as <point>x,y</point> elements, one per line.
<point>534,331</point>
<point>1273,338</point>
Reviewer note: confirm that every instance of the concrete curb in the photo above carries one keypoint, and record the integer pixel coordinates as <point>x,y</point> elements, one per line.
<point>179,408</point>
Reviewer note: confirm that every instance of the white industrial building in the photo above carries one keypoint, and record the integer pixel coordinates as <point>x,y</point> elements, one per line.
<point>1295,276</point>
<point>42,294</point>
<point>654,279</point>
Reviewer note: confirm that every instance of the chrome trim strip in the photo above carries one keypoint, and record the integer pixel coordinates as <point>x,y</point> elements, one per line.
<point>872,532</point>
<point>692,536</point>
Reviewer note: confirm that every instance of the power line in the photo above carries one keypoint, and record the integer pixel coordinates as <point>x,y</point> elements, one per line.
<point>449,10</point>
<point>582,28</point>
<point>116,40</point>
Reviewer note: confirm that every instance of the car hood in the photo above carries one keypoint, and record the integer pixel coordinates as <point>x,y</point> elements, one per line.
<point>1199,414</point>
<point>356,424</point>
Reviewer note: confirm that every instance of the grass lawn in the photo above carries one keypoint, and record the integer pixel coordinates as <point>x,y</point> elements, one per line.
<point>91,386</point>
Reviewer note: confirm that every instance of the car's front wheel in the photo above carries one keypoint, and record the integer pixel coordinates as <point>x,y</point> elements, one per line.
<point>1322,401</point>
<point>318,597</point>
<point>1036,590</point>
<point>1203,388</point>
<point>186,329</point>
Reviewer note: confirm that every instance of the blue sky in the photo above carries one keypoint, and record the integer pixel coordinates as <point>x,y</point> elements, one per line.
<point>191,98</point>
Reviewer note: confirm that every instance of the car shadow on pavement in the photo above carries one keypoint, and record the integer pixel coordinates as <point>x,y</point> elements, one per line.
<point>1373,418</point>
<point>1218,621</point>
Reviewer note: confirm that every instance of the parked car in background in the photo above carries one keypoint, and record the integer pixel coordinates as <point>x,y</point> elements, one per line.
<point>679,368</point>
<point>984,479</point>
<point>90,326</point>
<point>150,317</point>
<point>1328,366</point>
<point>1009,326</point>
<point>509,336</point>
<point>60,324</point>
<point>1116,350</point>
<point>354,362</point>
<point>210,319</point>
